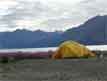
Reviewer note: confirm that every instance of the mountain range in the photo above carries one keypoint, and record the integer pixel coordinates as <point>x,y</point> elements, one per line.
<point>92,32</point>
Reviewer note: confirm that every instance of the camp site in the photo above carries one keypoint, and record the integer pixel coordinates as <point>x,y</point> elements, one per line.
<point>99,50</point>
<point>41,66</point>
<point>53,40</point>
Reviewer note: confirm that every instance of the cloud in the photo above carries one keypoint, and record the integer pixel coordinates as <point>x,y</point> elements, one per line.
<point>7,3</point>
<point>48,15</point>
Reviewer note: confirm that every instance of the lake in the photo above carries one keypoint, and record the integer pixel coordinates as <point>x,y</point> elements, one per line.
<point>90,47</point>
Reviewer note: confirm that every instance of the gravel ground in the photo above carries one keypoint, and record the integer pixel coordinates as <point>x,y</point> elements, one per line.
<point>91,69</point>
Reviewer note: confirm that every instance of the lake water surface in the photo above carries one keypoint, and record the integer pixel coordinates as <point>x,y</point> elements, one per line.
<point>91,47</point>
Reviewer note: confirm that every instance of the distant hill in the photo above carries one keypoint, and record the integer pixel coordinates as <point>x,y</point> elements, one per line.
<point>92,32</point>
<point>29,39</point>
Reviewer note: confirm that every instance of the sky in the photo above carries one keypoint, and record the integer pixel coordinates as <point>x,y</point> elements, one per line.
<point>48,15</point>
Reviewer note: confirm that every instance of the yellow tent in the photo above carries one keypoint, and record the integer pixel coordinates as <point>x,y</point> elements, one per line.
<point>71,49</point>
